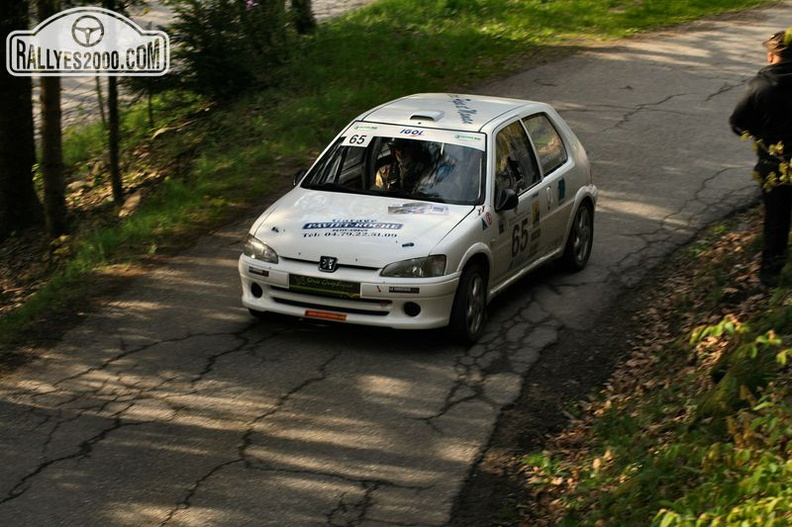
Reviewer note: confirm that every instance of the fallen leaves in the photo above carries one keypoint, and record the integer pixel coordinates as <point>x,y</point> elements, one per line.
<point>578,469</point>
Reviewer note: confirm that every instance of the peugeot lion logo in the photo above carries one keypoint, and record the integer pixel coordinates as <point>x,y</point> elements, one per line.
<point>87,31</point>
<point>328,264</point>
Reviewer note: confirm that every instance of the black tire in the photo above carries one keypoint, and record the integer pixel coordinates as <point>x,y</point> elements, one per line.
<point>469,312</point>
<point>580,240</point>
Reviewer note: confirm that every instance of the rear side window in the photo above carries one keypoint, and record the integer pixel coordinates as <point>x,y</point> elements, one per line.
<point>549,146</point>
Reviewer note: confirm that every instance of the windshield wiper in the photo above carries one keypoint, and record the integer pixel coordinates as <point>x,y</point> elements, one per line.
<point>331,186</point>
<point>415,195</point>
<point>428,197</point>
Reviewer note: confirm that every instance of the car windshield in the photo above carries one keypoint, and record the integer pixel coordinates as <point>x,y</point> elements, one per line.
<point>432,166</point>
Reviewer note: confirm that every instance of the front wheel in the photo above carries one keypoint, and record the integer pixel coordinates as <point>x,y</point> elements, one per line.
<point>469,312</point>
<point>580,240</point>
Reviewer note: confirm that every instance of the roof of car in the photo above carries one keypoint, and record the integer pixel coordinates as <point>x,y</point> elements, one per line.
<point>446,110</point>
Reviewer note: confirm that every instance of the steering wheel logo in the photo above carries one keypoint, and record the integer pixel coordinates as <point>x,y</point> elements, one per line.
<point>87,31</point>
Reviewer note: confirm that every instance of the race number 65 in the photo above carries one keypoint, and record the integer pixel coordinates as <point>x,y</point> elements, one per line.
<point>519,237</point>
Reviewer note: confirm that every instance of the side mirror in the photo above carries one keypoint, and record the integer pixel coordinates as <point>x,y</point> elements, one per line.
<point>298,176</point>
<point>507,200</point>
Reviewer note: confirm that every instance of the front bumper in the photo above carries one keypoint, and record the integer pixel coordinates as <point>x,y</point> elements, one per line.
<point>352,295</point>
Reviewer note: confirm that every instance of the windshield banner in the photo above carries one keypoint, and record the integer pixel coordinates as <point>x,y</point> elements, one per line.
<point>361,134</point>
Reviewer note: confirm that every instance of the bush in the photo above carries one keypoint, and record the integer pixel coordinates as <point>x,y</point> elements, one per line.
<point>225,47</point>
<point>745,481</point>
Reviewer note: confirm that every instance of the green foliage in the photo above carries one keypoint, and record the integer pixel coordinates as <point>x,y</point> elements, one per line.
<point>728,326</point>
<point>743,482</point>
<point>81,143</point>
<point>707,443</point>
<point>743,369</point>
<point>225,47</point>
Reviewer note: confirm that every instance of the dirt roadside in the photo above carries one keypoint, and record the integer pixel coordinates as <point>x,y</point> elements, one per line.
<point>577,368</point>
<point>570,371</point>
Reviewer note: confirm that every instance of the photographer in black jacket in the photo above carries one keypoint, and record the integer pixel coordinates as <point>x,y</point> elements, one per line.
<point>765,114</point>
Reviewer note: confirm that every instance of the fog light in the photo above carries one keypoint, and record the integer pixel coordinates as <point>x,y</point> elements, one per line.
<point>256,290</point>
<point>411,309</point>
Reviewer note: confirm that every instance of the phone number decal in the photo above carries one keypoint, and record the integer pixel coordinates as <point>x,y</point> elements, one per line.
<point>352,228</point>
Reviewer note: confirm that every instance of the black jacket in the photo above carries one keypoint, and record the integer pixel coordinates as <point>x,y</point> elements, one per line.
<point>765,111</point>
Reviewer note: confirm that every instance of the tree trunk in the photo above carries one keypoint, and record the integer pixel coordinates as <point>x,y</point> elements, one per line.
<point>100,101</point>
<point>114,131</point>
<point>51,143</point>
<point>114,140</point>
<point>304,21</point>
<point>19,206</point>
<point>52,157</point>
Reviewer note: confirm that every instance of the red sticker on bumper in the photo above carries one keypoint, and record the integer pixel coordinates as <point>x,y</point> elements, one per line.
<point>338,317</point>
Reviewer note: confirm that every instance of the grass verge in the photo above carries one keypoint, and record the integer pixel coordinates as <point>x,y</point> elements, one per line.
<point>691,430</point>
<point>199,162</point>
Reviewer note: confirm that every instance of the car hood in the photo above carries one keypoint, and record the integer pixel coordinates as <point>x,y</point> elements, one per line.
<point>369,231</point>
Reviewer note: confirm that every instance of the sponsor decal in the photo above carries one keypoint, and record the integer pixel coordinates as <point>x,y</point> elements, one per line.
<point>486,219</point>
<point>351,228</point>
<point>463,137</point>
<point>536,213</point>
<point>324,315</point>
<point>87,41</point>
<point>465,112</point>
<point>362,134</point>
<point>259,272</point>
<point>408,290</point>
<point>324,286</point>
<point>352,224</point>
<point>419,208</point>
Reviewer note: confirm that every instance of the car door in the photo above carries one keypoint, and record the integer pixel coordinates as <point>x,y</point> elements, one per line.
<point>516,243</point>
<point>556,198</point>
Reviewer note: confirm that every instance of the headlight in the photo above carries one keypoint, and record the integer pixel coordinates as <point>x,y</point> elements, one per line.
<point>259,250</point>
<point>428,267</point>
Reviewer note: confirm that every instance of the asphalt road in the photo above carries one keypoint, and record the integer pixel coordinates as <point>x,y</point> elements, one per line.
<point>171,406</point>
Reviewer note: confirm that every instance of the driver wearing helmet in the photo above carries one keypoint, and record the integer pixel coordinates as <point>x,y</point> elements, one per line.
<point>411,163</point>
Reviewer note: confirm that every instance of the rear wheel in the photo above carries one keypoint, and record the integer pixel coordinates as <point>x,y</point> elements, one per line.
<point>469,312</point>
<point>580,240</point>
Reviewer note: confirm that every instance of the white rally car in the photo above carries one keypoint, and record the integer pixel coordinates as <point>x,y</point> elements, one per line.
<point>422,210</point>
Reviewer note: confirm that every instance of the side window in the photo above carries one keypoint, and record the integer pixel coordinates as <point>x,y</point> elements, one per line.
<point>516,166</point>
<point>549,146</point>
